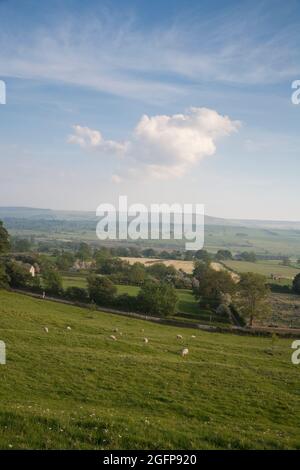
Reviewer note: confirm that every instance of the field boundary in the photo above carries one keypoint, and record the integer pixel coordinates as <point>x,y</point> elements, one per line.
<point>254,331</point>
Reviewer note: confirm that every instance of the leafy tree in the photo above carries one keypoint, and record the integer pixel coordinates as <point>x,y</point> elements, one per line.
<point>296,284</point>
<point>157,298</point>
<point>77,294</point>
<point>252,296</point>
<point>4,278</point>
<point>18,275</point>
<point>249,256</point>
<point>4,239</point>
<point>137,274</point>
<point>149,253</point>
<point>84,252</point>
<point>101,290</point>
<point>52,282</point>
<point>162,272</point>
<point>113,266</point>
<point>203,255</point>
<point>65,261</point>
<point>223,255</point>
<point>200,270</point>
<point>213,286</point>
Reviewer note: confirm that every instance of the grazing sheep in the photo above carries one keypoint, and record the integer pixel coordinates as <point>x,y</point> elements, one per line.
<point>146,341</point>
<point>69,328</point>
<point>193,336</point>
<point>113,337</point>
<point>179,337</point>
<point>46,329</point>
<point>184,352</point>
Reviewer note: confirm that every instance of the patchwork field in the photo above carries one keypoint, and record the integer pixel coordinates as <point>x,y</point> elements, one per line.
<point>186,266</point>
<point>79,389</point>
<point>267,268</point>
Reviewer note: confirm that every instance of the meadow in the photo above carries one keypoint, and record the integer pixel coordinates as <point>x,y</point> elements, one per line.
<point>266,268</point>
<point>186,300</point>
<point>78,389</point>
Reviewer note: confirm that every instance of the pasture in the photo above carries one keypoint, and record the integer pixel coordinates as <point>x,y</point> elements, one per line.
<point>266,268</point>
<point>78,389</point>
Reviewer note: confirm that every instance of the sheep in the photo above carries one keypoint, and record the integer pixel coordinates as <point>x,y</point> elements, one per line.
<point>113,337</point>
<point>193,336</point>
<point>179,337</point>
<point>46,329</point>
<point>184,352</point>
<point>146,341</point>
<point>69,328</point>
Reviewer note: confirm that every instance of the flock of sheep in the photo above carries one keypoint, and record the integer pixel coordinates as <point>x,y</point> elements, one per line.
<point>184,352</point>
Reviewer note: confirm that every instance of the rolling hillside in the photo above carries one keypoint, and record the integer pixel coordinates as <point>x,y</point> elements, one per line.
<point>79,389</point>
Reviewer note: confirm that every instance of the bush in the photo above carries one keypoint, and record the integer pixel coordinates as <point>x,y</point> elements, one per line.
<point>126,302</point>
<point>78,294</point>
<point>157,298</point>
<point>101,290</point>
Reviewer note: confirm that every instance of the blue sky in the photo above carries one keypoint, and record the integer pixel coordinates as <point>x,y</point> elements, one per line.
<point>212,78</point>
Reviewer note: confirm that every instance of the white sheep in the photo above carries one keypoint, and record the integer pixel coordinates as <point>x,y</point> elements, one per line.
<point>193,336</point>
<point>46,329</point>
<point>113,337</point>
<point>69,328</point>
<point>179,337</point>
<point>146,341</point>
<point>184,352</point>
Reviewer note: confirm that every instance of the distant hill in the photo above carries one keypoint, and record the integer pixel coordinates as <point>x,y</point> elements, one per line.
<point>49,214</point>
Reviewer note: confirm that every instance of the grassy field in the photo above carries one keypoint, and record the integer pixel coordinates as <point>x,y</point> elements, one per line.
<point>79,389</point>
<point>186,300</point>
<point>287,273</point>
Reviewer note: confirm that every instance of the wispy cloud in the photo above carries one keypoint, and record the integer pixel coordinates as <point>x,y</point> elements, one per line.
<point>163,147</point>
<point>114,55</point>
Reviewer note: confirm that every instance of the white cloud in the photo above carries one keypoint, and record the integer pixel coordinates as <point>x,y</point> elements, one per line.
<point>89,138</point>
<point>163,146</point>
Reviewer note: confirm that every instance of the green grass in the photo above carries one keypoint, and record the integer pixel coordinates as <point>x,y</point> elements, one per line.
<point>186,300</point>
<point>79,389</point>
<point>266,268</point>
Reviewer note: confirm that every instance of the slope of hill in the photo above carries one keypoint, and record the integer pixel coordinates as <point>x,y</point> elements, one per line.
<point>79,389</point>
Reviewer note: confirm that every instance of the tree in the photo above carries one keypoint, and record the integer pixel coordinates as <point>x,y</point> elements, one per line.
<point>4,239</point>
<point>52,282</point>
<point>101,290</point>
<point>252,296</point>
<point>248,256</point>
<point>296,284</point>
<point>223,255</point>
<point>203,255</point>
<point>161,272</point>
<point>157,298</point>
<point>18,275</point>
<point>84,252</point>
<point>213,286</point>
<point>137,274</point>
<point>77,294</point>
<point>65,261</point>
<point>4,278</point>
